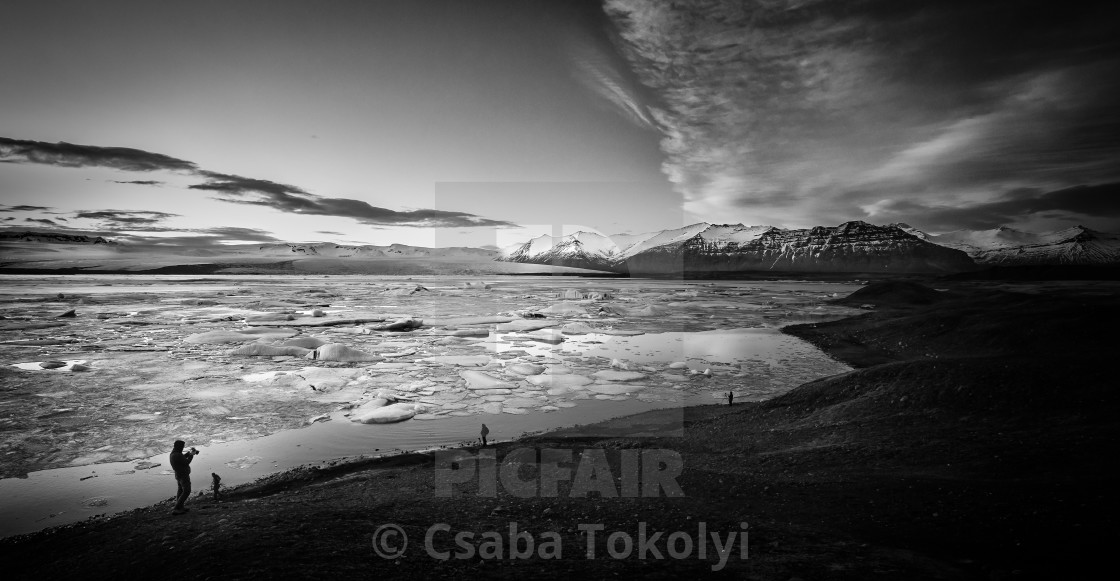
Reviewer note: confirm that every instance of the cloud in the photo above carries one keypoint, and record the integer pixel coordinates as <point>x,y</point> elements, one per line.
<point>237,189</point>
<point>806,109</point>
<point>42,221</point>
<point>286,198</point>
<point>1076,203</point>
<point>124,218</point>
<point>139,182</point>
<point>602,71</point>
<point>164,239</point>
<point>23,208</point>
<point>199,237</point>
<point>329,233</point>
<point>73,155</point>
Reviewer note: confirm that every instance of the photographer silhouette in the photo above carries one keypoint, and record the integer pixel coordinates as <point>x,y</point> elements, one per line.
<point>181,464</point>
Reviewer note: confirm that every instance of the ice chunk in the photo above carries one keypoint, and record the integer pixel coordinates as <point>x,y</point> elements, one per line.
<point>480,380</point>
<point>397,412</point>
<point>340,352</point>
<point>553,336</point>
<point>461,360</point>
<point>525,368</point>
<point>564,309</point>
<point>526,325</point>
<point>239,336</point>
<point>613,389</point>
<point>567,380</point>
<point>613,375</point>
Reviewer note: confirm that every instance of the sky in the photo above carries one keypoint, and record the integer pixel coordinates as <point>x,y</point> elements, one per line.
<point>486,122</point>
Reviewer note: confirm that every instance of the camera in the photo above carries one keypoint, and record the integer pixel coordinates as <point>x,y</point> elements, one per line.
<point>194,451</point>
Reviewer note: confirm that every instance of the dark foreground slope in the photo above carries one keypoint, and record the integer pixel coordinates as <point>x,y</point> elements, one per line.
<point>981,447</point>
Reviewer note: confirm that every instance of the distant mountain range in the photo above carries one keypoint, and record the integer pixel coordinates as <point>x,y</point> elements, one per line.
<point>707,248</point>
<point>331,250</point>
<point>849,247</point>
<point>52,238</point>
<point>1003,246</point>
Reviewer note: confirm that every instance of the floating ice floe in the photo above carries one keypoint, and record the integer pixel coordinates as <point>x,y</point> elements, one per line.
<point>613,389</point>
<point>577,329</point>
<point>460,360</point>
<point>305,342</point>
<point>243,463</point>
<point>552,381</point>
<point>264,350</point>
<point>340,352</point>
<point>480,332</point>
<point>402,324</point>
<point>553,336</point>
<point>270,317</point>
<point>390,366</point>
<point>525,325</point>
<point>321,378</point>
<point>564,309</point>
<point>239,336</point>
<point>613,375</point>
<point>68,365</point>
<point>479,380</point>
<point>392,413</point>
<point>525,368</point>
<point>456,321</point>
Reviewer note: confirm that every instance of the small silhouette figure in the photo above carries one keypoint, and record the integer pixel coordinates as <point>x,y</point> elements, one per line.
<point>730,398</point>
<point>485,432</point>
<point>215,485</point>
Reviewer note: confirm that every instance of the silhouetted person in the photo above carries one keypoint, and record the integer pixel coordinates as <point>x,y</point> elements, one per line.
<point>181,464</point>
<point>485,432</point>
<point>730,398</point>
<point>217,483</point>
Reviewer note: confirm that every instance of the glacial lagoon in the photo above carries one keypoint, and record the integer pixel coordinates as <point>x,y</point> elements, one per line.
<point>146,360</point>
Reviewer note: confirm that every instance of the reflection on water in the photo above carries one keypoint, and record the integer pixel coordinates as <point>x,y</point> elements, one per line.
<point>59,496</point>
<point>727,346</point>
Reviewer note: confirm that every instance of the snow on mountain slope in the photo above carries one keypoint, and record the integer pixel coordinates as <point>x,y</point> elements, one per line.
<point>850,247</point>
<point>974,240</point>
<point>1009,247</point>
<point>1072,246</point>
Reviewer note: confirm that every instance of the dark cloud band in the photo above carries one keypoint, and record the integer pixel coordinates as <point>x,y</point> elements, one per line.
<point>286,198</point>
<point>237,189</point>
<point>73,155</point>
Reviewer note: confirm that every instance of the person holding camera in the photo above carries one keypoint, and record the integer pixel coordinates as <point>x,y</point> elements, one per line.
<point>181,464</point>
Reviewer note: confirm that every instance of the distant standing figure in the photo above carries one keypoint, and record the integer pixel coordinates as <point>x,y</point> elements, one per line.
<point>181,464</point>
<point>730,398</point>
<point>485,432</point>
<point>217,483</point>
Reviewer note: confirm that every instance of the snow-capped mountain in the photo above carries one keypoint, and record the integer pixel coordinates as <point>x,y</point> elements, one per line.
<point>1009,247</point>
<point>849,247</point>
<point>592,250</point>
<point>581,250</point>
